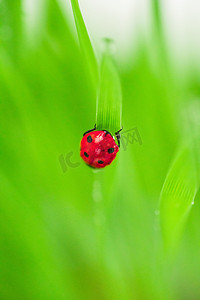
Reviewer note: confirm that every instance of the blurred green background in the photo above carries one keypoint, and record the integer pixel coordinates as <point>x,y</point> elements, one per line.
<point>125,232</point>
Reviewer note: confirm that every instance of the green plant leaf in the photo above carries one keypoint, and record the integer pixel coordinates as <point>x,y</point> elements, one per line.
<point>109,100</point>
<point>177,196</point>
<point>85,42</point>
<point>182,182</point>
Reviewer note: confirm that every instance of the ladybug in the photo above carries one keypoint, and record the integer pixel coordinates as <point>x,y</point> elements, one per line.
<point>98,148</point>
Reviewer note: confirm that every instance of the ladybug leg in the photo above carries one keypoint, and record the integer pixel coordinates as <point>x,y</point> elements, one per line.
<point>117,134</point>
<point>90,130</point>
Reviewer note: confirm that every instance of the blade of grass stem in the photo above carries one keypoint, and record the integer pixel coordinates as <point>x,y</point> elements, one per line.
<point>85,42</point>
<point>109,100</point>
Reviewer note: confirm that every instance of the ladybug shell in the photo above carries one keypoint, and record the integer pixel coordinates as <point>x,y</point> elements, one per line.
<point>98,149</point>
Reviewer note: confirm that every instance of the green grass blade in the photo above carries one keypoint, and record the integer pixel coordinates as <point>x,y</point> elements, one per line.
<point>182,181</point>
<point>177,196</point>
<point>157,15</point>
<point>109,101</point>
<point>85,42</point>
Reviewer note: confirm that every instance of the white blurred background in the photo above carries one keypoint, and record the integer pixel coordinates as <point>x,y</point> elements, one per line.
<point>127,20</point>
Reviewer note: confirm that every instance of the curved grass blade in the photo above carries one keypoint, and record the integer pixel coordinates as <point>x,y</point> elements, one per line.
<point>181,184</point>
<point>109,100</point>
<point>177,196</point>
<point>85,42</point>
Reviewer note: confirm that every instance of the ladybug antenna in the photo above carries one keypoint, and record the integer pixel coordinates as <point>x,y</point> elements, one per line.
<point>90,130</point>
<point>118,136</point>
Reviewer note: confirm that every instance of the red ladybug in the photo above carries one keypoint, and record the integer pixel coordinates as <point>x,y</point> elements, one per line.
<point>98,148</point>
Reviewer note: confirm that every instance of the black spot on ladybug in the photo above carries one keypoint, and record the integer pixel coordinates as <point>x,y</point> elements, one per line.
<point>100,162</point>
<point>111,150</point>
<point>85,153</point>
<point>89,139</point>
